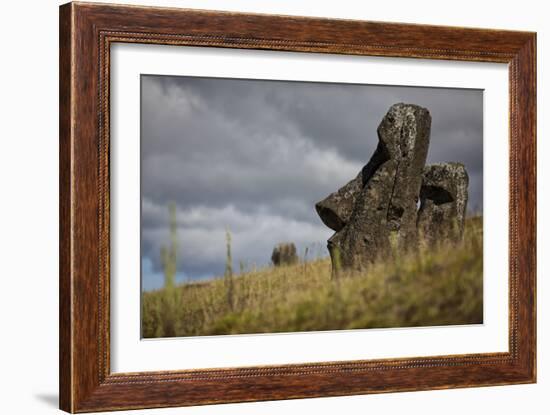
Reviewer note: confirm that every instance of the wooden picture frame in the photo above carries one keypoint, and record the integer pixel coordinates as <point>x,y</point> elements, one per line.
<point>86,33</point>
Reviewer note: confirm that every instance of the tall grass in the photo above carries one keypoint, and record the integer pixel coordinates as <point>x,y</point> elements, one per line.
<point>161,313</point>
<point>439,285</point>
<point>228,275</point>
<point>168,255</point>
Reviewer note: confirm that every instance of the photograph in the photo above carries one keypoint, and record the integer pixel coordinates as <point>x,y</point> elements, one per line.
<point>276,206</point>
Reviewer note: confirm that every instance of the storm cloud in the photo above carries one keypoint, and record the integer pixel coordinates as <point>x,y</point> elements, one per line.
<point>253,157</point>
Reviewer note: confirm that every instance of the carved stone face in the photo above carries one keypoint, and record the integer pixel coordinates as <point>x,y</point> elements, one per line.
<point>444,196</point>
<point>382,202</point>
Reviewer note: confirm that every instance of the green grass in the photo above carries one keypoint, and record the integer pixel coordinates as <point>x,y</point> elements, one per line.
<point>435,286</point>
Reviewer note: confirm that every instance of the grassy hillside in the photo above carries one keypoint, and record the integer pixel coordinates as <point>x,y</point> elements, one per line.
<point>436,286</point>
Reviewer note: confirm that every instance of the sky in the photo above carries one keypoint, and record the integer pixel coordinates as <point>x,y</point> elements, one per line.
<point>254,156</point>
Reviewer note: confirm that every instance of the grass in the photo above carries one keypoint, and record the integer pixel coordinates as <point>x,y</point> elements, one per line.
<point>441,285</point>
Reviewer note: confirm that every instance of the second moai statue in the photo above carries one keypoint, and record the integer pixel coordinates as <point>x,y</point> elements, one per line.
<point>443,201</point>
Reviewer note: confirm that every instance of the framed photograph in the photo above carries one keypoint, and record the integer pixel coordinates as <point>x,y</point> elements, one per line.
<point>258,207</point>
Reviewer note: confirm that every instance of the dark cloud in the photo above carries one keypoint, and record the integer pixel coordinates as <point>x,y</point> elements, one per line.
<point>254,156</point>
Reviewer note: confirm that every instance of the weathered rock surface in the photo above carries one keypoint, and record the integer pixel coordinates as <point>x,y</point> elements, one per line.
<point>383,197</point>
<point>284,254</point>
<point>365,237</point>
<point>404,136</point>
<point>444,197</point>
<point>376,214</point>
<point>406,129</point>
<point>335,210</point>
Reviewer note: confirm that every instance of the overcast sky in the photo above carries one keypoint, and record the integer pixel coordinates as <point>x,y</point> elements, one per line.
<point>254,156</point>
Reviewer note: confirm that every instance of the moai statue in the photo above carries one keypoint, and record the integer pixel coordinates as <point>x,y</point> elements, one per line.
<point>443,200</point>
<point>380,204</point>
<point>284,254</point>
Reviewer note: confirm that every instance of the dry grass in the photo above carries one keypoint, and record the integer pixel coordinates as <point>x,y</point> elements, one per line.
<point>437,286</point>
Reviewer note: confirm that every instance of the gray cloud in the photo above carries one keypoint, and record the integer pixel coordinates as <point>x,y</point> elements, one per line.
<point>254,156</point>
